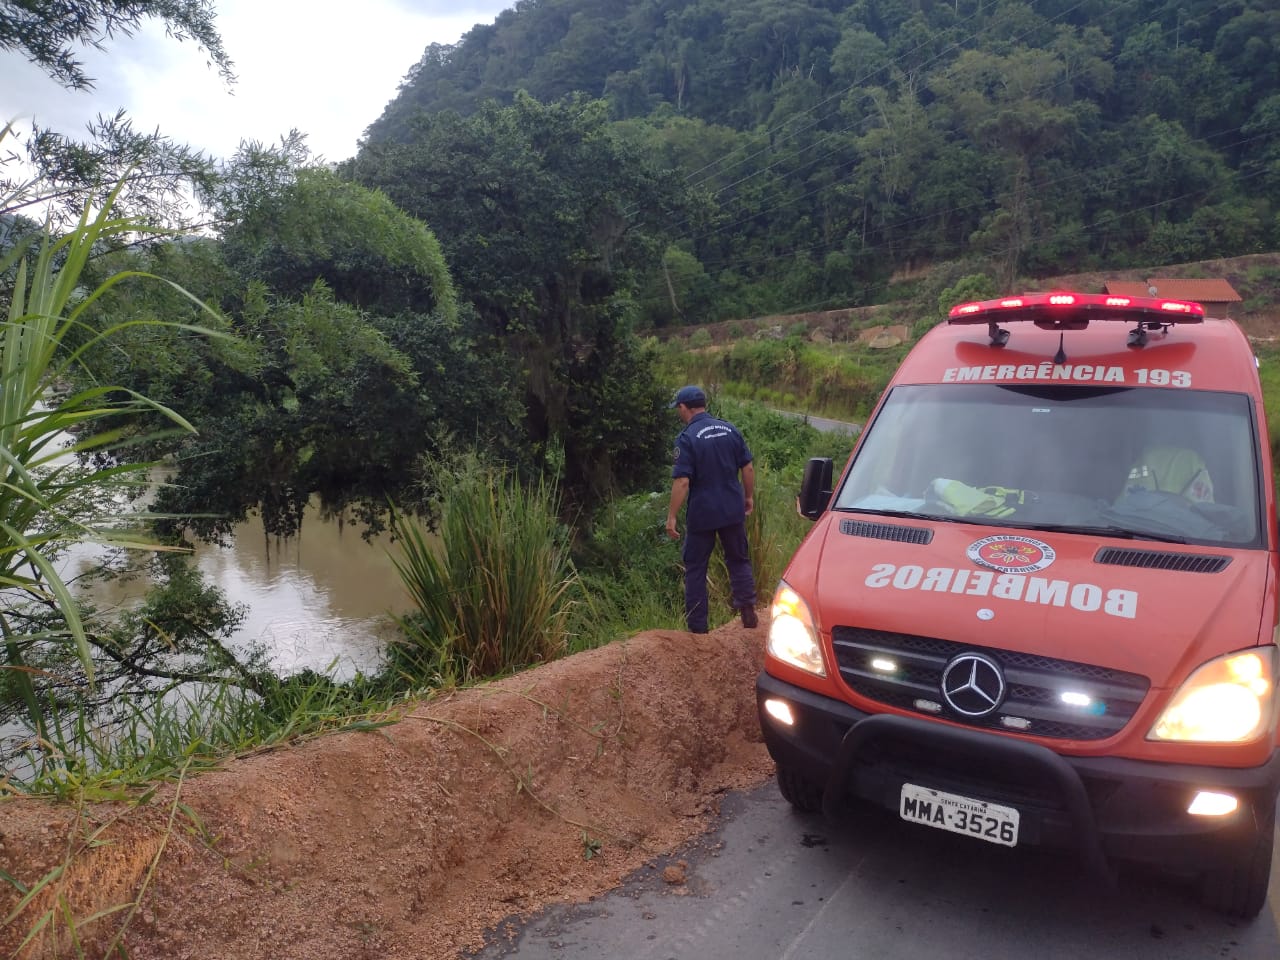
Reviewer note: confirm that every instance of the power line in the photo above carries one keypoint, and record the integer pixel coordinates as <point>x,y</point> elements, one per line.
<point>819,190</point>
<point>1092,173</point>
<point>1240,175</point>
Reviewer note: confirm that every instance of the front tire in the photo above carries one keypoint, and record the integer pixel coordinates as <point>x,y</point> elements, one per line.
<point>799,791</point>
<point>1240,889</point>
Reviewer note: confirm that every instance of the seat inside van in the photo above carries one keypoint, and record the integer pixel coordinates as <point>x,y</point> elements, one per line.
<point>1172,469</point>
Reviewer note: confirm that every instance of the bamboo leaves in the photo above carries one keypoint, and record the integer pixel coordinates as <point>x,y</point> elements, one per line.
<point>48,500</point>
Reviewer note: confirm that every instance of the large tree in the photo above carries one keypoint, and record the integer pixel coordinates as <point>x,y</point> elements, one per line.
<point>543,216</point>
<point>150,176</point>
<point>298,226</point>
<point>352,360</point>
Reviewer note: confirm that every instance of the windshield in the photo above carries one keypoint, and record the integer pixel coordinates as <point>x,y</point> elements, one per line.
<point>1167,464</point>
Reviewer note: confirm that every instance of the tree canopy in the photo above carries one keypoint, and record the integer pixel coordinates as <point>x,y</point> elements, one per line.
<point>47,33</point>
<point>545,216</point>
<point>350,359</point>
<point>146,175</point>
<point>845,141</point>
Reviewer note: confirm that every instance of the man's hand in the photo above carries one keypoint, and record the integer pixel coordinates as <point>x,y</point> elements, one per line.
<point>679,491</point>
<point>749,487</point>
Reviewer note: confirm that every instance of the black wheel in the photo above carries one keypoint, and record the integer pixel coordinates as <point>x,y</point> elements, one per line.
<point>799,791</point>
<point>1240,889</point>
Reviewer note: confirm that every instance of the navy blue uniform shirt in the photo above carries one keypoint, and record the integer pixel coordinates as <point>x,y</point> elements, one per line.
<point>710,453</point>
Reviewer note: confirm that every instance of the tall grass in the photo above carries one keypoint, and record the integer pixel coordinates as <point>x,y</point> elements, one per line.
<point>117,753</point>
<point>774,529</point>
<point>492,592</point>
<point>1269,374</point>
<point>630,571</point>
<point>832,380</point>
<point>47,500</point>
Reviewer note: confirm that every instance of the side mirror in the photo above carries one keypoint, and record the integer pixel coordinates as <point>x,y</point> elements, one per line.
<point>815,488</point>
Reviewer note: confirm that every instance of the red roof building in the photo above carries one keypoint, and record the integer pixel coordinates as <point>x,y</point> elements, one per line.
<point>1198,291</point>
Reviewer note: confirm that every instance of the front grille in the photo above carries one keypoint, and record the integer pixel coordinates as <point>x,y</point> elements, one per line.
<point>1162,560</point>
<point>1033,692</point>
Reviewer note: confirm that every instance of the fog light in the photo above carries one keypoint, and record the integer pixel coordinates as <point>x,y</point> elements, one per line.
<point>780,710</point>
<point>1210,804</point>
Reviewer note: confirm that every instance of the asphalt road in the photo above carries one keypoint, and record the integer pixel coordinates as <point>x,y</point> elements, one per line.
<point>834,426</point>
<point>770,883</point>
<point>823,423</point>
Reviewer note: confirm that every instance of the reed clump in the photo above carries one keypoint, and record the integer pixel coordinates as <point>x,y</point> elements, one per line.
<point>492,589</point>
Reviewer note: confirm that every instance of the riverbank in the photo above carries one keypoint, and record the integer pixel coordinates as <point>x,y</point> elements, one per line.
<point>418,838</point>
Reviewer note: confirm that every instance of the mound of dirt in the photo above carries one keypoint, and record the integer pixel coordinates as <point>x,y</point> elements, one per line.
<point>413,839</point>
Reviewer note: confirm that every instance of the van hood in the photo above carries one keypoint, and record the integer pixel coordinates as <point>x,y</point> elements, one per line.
<point>1144,607</point>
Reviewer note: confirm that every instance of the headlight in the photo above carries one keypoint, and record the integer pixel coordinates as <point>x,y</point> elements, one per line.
<point>1228,700</point>
<point>792,636</point>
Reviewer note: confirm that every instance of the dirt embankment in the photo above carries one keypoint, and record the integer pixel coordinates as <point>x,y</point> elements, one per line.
<point>413,839</point>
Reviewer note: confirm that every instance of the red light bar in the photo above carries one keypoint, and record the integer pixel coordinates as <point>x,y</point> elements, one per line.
<point>1068,310</point>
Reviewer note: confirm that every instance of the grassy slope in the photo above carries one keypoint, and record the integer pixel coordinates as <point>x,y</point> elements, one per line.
<point>837,364</point>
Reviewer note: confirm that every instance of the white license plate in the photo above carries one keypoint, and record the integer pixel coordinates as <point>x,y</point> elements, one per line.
<point>948,811</point>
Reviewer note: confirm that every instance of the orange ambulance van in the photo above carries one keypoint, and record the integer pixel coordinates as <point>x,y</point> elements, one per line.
<point>1039,606</point>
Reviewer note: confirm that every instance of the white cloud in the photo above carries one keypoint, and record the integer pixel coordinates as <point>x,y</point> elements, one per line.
<point>325,67</point>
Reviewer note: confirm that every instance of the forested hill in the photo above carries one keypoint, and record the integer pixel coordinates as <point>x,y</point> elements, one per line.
<point>745,62</point>
<point>843,140</point>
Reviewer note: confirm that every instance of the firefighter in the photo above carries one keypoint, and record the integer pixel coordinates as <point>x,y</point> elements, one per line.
<point>710,455</point>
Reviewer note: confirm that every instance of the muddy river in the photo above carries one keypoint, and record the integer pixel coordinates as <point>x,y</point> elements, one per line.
<point>322,600</point>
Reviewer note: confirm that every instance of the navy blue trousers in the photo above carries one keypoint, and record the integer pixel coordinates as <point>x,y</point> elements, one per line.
<point>698,545</point>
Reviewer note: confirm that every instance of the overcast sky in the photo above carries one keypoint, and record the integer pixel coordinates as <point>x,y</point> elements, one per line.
<point>325,67</point>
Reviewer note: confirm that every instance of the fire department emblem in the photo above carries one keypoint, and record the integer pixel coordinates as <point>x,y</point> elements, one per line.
<point>1011,554</point>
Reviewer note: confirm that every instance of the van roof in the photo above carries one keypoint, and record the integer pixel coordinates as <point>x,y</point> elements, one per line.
<point>1210,355</point>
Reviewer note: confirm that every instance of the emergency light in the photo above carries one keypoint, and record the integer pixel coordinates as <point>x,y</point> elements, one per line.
<point>1075,311</point>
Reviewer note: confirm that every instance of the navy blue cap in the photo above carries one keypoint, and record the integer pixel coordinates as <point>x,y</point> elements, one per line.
<point>690,396</point>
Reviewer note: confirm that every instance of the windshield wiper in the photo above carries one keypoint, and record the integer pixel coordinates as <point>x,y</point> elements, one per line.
<point>908,514</point>
<point>1103,530</point>
<point>1099,530</point>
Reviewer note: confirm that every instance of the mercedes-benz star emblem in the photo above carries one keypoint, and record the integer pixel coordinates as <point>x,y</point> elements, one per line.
<point>973,684</point>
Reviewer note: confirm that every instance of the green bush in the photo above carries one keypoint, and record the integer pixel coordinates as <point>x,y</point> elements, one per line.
<point>976,286</point>
<point>782,444</point>
<point>630,572</point>
<point>841,382</point>
<point>493,593</point>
